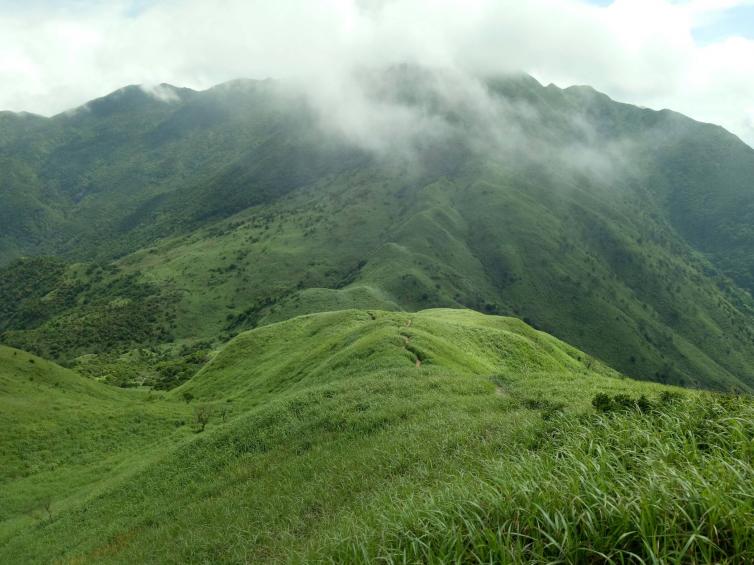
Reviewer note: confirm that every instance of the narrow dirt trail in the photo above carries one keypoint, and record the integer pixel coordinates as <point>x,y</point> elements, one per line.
<point>407,341</point>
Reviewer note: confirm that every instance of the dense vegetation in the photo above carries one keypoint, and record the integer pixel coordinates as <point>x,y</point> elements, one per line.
<point>62,312</point>
<point>359,435</point>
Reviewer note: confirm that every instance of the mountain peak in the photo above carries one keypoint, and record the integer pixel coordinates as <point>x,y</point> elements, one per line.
<point>133,97</point>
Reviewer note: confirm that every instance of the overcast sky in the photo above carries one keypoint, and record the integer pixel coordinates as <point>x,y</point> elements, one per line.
<point>694,56</point>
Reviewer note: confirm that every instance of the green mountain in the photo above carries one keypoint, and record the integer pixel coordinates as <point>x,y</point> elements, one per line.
<point>364,435</point>
<point>179,218</point>
<point>393,323</point>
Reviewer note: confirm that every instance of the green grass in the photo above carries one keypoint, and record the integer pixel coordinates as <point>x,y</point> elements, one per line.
<point>327,441</point>
<point>669,486</point>
<point>64,437</point>
<point>351,423</point>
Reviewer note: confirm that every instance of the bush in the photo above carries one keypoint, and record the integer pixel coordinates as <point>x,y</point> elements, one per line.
<point>603,403</point>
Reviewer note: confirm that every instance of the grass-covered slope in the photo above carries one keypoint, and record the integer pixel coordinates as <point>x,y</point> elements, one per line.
<point>65,437</point>
<point>613,280</point>
<point>363,434</point>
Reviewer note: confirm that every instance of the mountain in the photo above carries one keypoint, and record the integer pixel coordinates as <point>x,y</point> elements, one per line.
<point>308,440</point>
<point>178,218</point>
<point>299,295</point>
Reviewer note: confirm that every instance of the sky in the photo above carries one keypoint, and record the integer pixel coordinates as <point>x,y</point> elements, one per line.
<point>693,56</point>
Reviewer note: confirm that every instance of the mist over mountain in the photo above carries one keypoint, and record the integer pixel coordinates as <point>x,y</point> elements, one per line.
<point>622,230</point>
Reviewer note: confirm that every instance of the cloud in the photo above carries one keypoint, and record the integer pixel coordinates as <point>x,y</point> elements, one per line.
<point>639,51</point>
<point>439,119</point>
<point>162,92</point>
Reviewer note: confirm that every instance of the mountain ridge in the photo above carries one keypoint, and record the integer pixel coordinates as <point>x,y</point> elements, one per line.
<point>580,214</point>
<point>304,441</point>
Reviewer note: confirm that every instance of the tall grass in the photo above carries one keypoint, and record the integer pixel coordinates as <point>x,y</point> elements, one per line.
<point>337,448</point>
<point>674,485</point>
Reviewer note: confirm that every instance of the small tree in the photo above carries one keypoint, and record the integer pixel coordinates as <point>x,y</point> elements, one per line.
<point>47,505</point>
<point>202,415</point>
<point>41,509</point>
<point>188,397</point>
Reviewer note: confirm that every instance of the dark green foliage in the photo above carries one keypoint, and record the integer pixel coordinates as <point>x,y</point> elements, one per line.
<point>61,312</point>
<point>548,408</point>
<point>202,416</point>
<point>25,287</point>
<point>174,372</point>
<point>623,402</point>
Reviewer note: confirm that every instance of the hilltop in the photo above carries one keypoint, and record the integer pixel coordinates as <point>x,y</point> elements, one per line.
<point>325,428</point>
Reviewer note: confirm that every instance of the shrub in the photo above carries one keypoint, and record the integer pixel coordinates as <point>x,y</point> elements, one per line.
<point>202,415</point>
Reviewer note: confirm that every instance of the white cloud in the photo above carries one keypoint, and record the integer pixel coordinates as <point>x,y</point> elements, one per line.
<point>161,92</point>
<point>640,51</point>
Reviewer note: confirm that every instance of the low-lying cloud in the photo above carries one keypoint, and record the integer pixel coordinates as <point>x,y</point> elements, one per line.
<point>639,51</point>
<point>445,118</point>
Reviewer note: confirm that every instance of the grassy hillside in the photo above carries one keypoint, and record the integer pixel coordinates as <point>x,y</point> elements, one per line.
<point>65,438</point>
<point>357,434</point>
<point>116,173</point>
<point>184,220</point>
